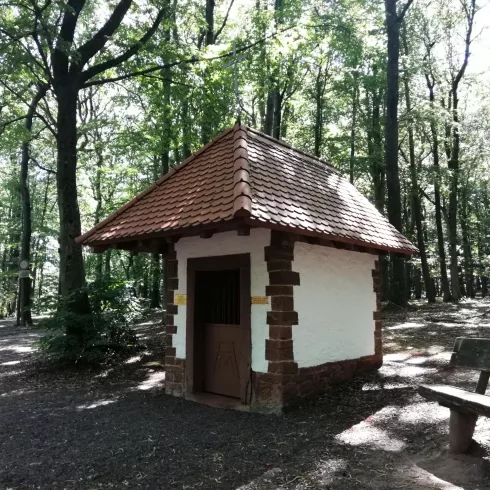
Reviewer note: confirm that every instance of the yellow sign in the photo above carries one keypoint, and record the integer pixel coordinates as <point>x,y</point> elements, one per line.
<point>260,300</point>
<point>180,299</point>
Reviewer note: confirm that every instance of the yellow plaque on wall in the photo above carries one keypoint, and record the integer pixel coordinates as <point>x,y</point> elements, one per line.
<point>260,300</point>
<point>180,299</point>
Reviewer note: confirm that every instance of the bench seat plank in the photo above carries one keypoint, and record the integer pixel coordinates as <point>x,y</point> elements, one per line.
<point>457,399</point>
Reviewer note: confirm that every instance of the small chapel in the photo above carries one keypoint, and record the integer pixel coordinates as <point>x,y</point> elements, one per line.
<point>272,271</point>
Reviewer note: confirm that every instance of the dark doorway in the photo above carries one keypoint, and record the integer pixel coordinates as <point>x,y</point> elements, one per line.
<point>218,311</point>
<point>218,321</point>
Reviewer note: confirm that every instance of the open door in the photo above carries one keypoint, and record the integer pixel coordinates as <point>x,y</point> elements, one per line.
<point>220,304</point>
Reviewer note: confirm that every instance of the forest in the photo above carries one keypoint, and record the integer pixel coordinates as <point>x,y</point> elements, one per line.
<point>98,99</point>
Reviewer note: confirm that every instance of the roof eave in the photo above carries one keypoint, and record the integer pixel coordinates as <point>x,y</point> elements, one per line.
<point>334,238</point>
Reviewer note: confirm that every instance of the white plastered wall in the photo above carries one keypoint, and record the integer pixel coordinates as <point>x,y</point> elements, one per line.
<point>335,304</point>
<point>229,243</point>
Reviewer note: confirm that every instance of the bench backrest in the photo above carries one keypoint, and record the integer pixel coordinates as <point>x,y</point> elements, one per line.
<point>472,353</point>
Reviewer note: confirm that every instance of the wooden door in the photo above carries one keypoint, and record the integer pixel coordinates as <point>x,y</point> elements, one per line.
<point>218,316</point>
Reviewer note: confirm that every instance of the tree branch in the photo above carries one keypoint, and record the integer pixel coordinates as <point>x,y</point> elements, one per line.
<point>193,59</point>
<point>100,38</point>
<point>106,65</point>
<point>43,168</point>
<point>59,57</point>
<point>401,15</point>
<point>225,20</point>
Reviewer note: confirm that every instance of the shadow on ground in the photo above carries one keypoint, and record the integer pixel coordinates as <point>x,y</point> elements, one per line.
<point>115,428</point>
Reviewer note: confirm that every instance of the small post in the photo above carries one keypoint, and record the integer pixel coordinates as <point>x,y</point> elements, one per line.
<point>461,429</point>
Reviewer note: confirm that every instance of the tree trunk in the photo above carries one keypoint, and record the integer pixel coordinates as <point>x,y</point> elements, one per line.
<point>416,205</point>
<point>319,101</point>
<point>25,284</point>
<point>446,292</point>
<point>72,272</point>
<point>398,295</point>
<point>155,296</point>
<point>467,255</point>
<point>352,159</point>
<point>453,201</point>
<point>269,113</point>
<point>276,129</point>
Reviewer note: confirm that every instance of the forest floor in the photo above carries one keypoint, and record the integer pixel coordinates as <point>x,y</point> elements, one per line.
<point>115,427</point>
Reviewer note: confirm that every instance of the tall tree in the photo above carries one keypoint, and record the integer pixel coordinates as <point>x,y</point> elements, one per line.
<point>457,74</point>
<point>393,22</point>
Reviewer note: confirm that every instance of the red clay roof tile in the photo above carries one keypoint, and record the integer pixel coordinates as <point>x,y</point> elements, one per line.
<point>243,173</point>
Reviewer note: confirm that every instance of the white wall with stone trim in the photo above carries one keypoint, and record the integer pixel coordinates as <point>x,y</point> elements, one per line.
<point>228,243</point>
<point>335,303</point>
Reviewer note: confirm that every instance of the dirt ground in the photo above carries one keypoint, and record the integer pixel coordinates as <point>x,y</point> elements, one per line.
<point>115,428</point>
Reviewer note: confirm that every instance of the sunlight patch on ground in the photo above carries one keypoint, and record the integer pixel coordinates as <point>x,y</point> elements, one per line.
<point>420,412</point>
<point>405,371</point>
<point>132,360</point>
<point>154,380</point>
<point>10,373</point>
<point>16,392</point>
<point>325,471</point>
<point>396,357</point>
<point>99,403</point>
<point>383,386</point>
<point>17,348</point>
<point>364,434</point>
<point>401,326</point>
<point>104,373</point>
<point>10,363</point>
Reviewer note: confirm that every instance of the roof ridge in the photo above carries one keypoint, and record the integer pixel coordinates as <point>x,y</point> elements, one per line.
<point>242,191</point>
<point>156,184</point>
<point>290,147</point>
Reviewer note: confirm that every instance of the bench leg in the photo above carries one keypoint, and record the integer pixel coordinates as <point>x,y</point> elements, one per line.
<point>461,429</point>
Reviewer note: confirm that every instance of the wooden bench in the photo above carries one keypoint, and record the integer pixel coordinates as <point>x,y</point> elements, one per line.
<point>465,406</point>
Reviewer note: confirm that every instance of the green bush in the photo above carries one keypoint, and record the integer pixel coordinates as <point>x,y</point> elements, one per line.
<point>105,333</point>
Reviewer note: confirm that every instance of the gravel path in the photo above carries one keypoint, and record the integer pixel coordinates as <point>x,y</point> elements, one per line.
<point>114,428</point>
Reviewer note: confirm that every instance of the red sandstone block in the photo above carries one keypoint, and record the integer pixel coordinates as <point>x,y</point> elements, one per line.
<point>378,325</point>
<point>278,253</point>
<point>174,388</point>
<point>279,265</point>
<point>171,254</point>
<point>276,290</point>
<point>377,315</point>
<point>172,309</point>
<point>271,344</point>
<point>170,296</point>
<point>306,387</point>
<point>279,354</point>
<point>171,329</point>
<point>290,392</point>
<point>168,340</point>
<point>180,362</point>
<point>282,317</point>
<point>170,351</point>
<point>282,303</point>
<point>280,332</point>
<point>286,367</point>
<point>169,361</point>
<point>173,283</point>
<point>172,268</point>
<point>284,278</point>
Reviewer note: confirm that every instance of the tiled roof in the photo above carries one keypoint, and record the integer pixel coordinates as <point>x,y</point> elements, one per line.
<point>245,175</point>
